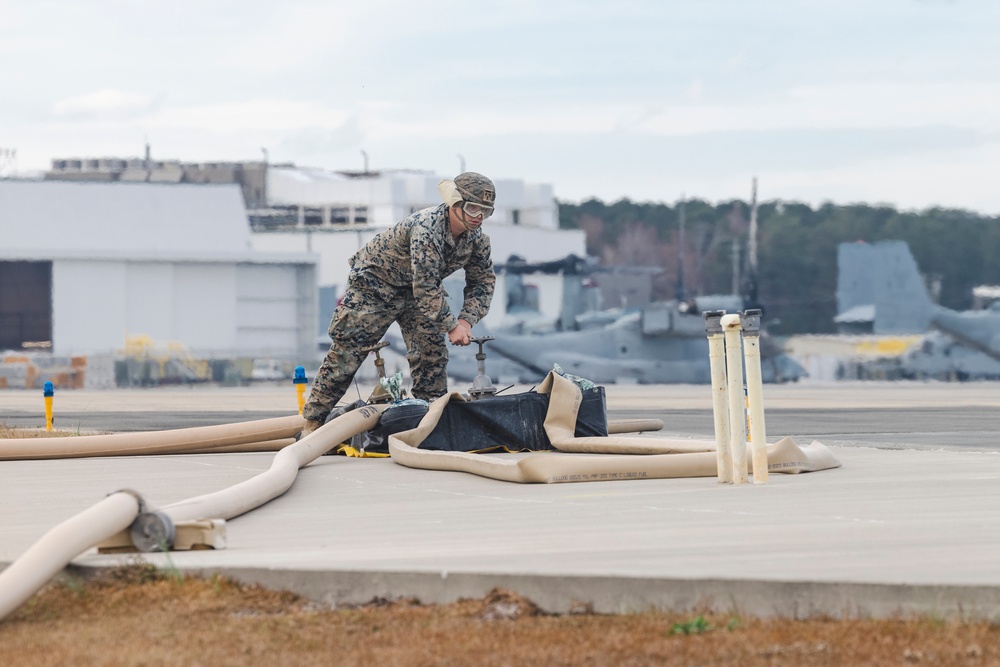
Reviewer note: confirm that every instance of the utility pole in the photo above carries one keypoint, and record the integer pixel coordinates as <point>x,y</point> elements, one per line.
<point>752,248</point>
<point>752,243</point>
<point>263,193</point>
<point>461,163</point>
<point>736,265</point>
<point>681,288</point>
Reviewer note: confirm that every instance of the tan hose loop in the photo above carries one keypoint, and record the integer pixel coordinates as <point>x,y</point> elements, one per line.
<point>662,457</point>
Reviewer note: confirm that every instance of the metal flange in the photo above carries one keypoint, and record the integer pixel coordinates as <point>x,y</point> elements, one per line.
<point>153,531</point>
<point>713,321</point>
<point>750,321</point>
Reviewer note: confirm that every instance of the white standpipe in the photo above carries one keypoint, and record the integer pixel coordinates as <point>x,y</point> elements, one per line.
<point>737,420</point>
<point>755,395</point>
<point>720,404</point>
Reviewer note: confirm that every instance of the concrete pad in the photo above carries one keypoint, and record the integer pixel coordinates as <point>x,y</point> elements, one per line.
<point>891,531</point>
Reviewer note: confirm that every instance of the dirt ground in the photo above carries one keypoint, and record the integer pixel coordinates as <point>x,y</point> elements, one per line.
<point>136,615</point>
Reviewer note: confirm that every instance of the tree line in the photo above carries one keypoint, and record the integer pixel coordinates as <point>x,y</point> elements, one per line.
<point>796,249</point>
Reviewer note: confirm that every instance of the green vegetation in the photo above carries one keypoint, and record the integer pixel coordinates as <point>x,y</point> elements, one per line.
<point>695,626</point>
<point>797,249</point>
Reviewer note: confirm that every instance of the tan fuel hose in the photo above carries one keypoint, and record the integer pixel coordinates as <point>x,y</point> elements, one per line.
<point>49,555</point>
<point>177,441</point>
<point>614,426</point>
<point>263,446</point>
<point>277,479</point>
<point>634,425</point>
<point>59,546</point>
<point>261,435</point>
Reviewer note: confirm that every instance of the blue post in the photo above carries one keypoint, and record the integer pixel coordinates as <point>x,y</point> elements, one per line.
<point>300,381</point>
<point>48,392</point>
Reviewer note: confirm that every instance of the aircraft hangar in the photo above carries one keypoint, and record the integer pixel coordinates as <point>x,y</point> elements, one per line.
<point>85,265</point>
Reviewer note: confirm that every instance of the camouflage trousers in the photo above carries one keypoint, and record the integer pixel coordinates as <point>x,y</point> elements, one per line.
<point>361,320</point>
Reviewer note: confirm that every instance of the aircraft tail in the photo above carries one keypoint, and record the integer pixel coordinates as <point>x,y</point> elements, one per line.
<point>880,283</point>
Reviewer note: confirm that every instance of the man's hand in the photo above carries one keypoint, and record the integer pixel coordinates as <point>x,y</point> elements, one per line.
<point>461,334</point>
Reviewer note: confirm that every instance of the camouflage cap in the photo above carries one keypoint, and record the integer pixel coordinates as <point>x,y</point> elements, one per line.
<point>476,188</point>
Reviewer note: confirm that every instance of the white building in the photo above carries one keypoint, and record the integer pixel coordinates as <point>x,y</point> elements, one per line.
<point>333,214</point>
<point>86,265</point>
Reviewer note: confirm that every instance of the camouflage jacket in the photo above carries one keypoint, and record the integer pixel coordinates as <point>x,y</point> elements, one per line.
<point>419,253</point>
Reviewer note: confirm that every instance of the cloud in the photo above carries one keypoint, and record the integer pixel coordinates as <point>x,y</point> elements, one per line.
<point>955,178</point>
<point>255,114</point>
<point>695,89</point>
<point>463,122</point>
<point>313,141</point>
<point>107,104</point>
<point>847,106</point>
<point>824,108</point>
<point>112,109</point>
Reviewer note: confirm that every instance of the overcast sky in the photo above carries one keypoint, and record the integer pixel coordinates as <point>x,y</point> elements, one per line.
<point>893,101</point>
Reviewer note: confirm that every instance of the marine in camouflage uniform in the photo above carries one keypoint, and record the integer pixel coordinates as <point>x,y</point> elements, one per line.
<point>398,277</point>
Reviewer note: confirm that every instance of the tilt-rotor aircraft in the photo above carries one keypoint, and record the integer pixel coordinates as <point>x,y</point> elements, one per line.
<point>663,343</point>
<point>658,343</point>
<point>880,289</point>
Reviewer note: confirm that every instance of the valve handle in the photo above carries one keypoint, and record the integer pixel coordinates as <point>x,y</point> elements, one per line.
<point>375,348</point>
<point>482,340</point>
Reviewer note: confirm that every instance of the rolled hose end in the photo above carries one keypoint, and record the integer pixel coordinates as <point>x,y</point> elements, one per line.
<point>153,531</point>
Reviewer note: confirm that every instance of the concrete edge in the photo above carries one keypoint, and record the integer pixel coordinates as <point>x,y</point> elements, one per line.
<point>910,446</point>
<point>559,594</point>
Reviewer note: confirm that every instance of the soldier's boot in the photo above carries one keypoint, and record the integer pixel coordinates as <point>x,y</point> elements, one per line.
<point>311,425</point>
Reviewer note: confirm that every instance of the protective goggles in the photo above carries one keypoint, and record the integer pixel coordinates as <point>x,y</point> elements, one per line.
<point>477,210</point>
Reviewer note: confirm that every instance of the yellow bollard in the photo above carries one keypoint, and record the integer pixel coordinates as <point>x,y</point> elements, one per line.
<point>300,381</point>
<point>48,392</point>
